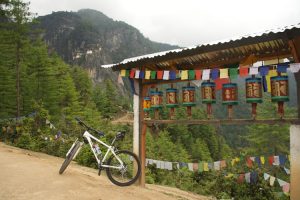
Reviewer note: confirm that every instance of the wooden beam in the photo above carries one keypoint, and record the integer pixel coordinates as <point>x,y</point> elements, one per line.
<point>225,121</point>
<point>294,51</point>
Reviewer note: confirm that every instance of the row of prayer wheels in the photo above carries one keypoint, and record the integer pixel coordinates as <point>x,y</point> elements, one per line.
<point>279,94</point>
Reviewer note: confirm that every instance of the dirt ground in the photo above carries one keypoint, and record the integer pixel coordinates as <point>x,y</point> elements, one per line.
<point>34,176</point>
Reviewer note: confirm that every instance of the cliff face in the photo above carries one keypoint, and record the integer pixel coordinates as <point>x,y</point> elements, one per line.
<point>89,39</point>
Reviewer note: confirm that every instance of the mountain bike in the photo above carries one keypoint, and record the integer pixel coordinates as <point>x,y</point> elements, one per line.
<point>122,167</point>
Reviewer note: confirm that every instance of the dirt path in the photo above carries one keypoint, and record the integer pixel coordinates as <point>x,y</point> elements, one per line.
<point>30,175</point>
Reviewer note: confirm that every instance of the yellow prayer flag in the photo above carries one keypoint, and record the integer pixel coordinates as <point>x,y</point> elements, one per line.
<point>223,73</point>
<point>237,159</point>
<point>148,74</point>
<point>123,72</point>
<point>262,160</point>
<point>184,74</point>
<point>232,162</point>
<point>272,73</point>
<point>229,175</point>
<point>205,167</point>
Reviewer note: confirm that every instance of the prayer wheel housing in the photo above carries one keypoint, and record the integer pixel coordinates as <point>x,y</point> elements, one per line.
<point>280,92</point>
<point>172,100</point>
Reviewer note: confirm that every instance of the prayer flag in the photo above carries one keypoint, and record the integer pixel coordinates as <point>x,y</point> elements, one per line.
<point>142,74</point>
<point>172,75</point>
<point>160,74</point>
<point>148,74</point>
<point>205,167</point>
<point>241,178</point>
<point>191,74</point>
<point>262,160</point>
<point>247,177</point>
<point>132,73</point>
<point>271,160</point>
<point>233,73</point>
<point>244,71</point>
<point>166,75</point>
<point>264,70</point>
<point>153,74</point>
<point>195,167</point>
<point>182,164</point>
<point>249,162</point>
<point>257,160</point>
<point>223,163</point>
<point>123,72</point>
<point>206,74</point>
<point>200,166</point>
<point>282,68</point>
<point>198,74</point>
<point>272,180</point>
<point>253,71</point>
<point>214,74</point>
<point>137,74</point>
<point>178,73</point>
<point>294,67</point>
<point>224,73</point>
<point>286,188</point>
<point>168,165</point>
<point>184,74</point>
<point>253,177</point>
<point>266,176</point>
<point>232,162</point>
<point>272,73</point>
<point>210,165</point>
<point>190,166</point>
<point>220,81</point>
<point>287,171</point>
<point>281,182</point>
<point>217,165</point>
<point>282,160</point>
<point>276,160</point>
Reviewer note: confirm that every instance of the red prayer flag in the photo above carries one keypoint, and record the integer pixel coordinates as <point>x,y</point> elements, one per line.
<point>198,73</point>
<point>271,160</point>
<point>241,178</point>
<point>244,71</point>
<point>160,74</point>
<point>220,81</point>
<point>132,73</point>
<point>249,162</point>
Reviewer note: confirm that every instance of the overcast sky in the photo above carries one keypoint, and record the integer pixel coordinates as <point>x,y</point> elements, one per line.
<point>187,22</point>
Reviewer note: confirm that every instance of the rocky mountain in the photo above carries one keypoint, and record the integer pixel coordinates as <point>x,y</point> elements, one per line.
<point>89,38</point>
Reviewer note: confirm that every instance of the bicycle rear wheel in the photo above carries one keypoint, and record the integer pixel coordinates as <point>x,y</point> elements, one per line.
<point>69,158</point>
<point>126,175</point>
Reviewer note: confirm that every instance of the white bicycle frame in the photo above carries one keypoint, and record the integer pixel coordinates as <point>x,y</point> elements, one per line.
<point>89,138</point>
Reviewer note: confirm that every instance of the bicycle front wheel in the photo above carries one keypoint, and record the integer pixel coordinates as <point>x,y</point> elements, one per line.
<point>69,158</point>
<point>128,173</point>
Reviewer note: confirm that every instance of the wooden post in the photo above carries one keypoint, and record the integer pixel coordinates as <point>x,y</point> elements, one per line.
<point>295,162</point>
<point>136,120</point>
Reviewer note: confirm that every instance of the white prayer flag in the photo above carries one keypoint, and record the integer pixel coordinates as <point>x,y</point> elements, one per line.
<point>190,166</point>
<point>247,177</point>
<point>253,71</point>
<point>47,121</point>
<point>252,158</point>
<point>266,176</point>
<point>217,165</point>
<point>166,75</point>
<point>281,182</point>
<point>206,74</point>
<point>137,74</point>
<point>168,165</point>
<point>287,171</point>
<point>276,160</point>
<point>294,67</point>
<point>272,180</point>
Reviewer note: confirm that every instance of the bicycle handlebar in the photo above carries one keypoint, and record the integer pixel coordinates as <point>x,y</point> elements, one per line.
<point>81,123</point>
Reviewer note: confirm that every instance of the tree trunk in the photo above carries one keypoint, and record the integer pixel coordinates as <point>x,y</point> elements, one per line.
<point>18,78</point>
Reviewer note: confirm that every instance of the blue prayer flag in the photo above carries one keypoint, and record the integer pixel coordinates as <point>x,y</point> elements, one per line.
<point>214,74</point>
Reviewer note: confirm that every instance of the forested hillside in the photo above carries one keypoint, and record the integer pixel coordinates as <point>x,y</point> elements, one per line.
<point>44,77</point>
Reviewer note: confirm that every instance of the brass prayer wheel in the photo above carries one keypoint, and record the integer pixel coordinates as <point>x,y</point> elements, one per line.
<point>172,100</point>
<point>254,93</point>
<point>188,98</point>
<point>230,96</point>
<point>156,102</point>
<point>208,93</point>
<point>280,92</point>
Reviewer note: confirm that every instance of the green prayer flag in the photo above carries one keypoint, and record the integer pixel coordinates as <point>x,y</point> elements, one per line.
<point>178,74</point>
<point>191,74</point>
<point>127,72</point>
<point>233,73</point>
<point>153,74</point>
<point>200,166</point>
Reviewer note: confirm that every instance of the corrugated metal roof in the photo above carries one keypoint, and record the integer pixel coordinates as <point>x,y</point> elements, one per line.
<point>265,42</point>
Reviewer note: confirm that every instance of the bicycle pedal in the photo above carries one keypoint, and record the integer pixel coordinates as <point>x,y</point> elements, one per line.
<point>99,172</point>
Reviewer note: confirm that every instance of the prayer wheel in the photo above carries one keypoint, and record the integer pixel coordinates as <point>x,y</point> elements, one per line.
<point>147,106</point>
<point>208,92</point>
<point>230,96</point>
<point>280,92</point>
<point>188,98</point>
<point>254,93</point>
<point>172,100</point>
<point>156,102</point>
